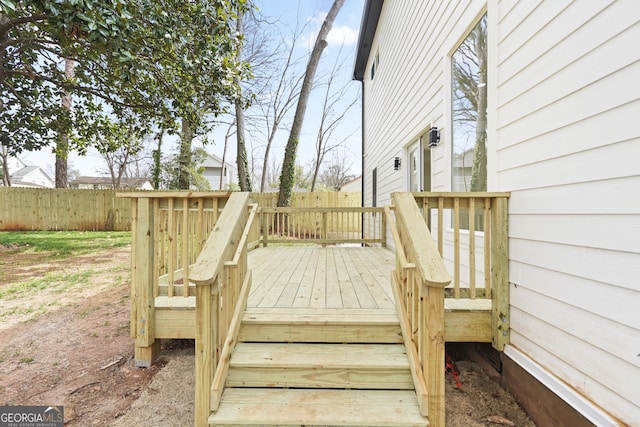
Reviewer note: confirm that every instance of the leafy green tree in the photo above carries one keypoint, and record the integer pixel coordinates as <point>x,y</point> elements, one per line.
<point>157,60</point>
<point>172,173</point>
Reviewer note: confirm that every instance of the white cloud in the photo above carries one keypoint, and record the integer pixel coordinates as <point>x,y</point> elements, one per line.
<point>342,35</point>
<point>338,35</point>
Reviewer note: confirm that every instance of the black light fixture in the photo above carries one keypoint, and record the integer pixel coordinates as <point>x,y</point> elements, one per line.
<point>396,164</point>
<point>434,137</point>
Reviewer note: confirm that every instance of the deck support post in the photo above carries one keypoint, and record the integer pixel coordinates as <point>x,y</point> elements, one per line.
<point>500,274</point>
<point>143,302</point>
<point>206,342</point>
<point>323,233</point>
<point>264,227</point>
<point>383,231</point>
<point>433,317</point>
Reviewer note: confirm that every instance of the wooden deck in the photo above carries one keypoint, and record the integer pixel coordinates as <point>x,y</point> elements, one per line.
<point>320,343</point>
<point>316,277</point>
<point>318,326</point>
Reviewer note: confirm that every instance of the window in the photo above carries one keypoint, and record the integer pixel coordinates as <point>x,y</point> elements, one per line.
<point>469,111</point>
<point>469,117</point>
<point>374,65</point>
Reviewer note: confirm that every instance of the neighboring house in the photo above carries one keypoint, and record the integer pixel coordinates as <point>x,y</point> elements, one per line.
<point>22,175</point>
<point>219,178</point>
<point>105,183</point>
<point>32,176</point>
<point>560,82</point>
<point>353,186</point>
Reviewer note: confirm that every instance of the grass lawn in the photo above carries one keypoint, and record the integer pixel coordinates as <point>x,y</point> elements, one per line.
<point>62,244</point>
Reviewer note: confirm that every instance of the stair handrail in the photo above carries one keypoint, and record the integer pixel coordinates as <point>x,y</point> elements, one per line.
<point>220,376</point>
<point>420,289</point>
<point>402,270</point>
<point>219,283</point>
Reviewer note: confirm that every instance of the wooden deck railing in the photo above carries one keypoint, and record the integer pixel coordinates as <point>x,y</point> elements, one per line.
<point>324,226</point>
<point>471,234</point>
<point>419,281</point>
<point>222,287</point>
<point>475,223</point>
<point>168,232</point>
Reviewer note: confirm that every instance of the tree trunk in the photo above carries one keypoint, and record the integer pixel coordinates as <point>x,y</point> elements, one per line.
<point>289,162</point>
<point>6,178</point>
<point>157,167</point>
<point>62,147</point>
<point>265,164</point>
<point>243,165</point>
<point>223,169</point>
<point>184,162</point>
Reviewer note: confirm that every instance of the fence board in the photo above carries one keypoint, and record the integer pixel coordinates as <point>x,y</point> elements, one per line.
<point>92,210</point>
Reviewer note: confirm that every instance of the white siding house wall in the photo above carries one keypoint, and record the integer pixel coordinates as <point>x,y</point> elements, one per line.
<point>564,139</point>
<point>397,113</point>
<point>568,149</point>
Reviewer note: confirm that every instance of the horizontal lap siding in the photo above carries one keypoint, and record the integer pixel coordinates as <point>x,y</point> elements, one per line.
<point>412,39</point>
<point>568,149</point>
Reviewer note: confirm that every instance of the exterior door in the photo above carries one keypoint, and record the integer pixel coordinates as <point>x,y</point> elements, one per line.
<point>419,160</point>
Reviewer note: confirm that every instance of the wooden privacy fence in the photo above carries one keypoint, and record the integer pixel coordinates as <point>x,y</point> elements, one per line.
<point>62,209</point>
<point>311,200</point>
<point>70,209</point>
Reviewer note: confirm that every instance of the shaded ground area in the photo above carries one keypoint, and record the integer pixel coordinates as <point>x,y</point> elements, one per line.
<point>64,340</point>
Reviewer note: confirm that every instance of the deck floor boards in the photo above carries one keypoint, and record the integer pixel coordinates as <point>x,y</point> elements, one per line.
<point>317,277</point>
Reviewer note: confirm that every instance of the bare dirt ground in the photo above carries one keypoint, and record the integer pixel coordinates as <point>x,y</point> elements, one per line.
<point>68,344</point>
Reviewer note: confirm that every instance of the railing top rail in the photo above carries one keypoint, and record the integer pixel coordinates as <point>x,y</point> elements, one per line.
<point>425,253</point>
<point>321,209</point>
<point>172,194</point>
<point>461,195</point>
<point>220,246</point>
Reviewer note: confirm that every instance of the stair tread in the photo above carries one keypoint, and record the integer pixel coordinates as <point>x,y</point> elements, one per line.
<point>260,406</point>
<point>290,355</point>
<point>320,316</point>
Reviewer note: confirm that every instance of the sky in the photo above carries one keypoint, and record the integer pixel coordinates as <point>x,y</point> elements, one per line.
<point>341,40</point>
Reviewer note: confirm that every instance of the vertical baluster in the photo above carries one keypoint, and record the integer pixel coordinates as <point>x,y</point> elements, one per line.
<point>200,236</point>
<point>440,225</point>
<point>472,247</point>
<point>163,240</point>
<point>456,247</point>
<point>185,247</point>
<point>487,247</point>
<point>156,246</point>
<point>425,212</point>
<point>171,262</point>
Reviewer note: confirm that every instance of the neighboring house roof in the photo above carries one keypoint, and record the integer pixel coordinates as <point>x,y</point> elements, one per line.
<point>31,176</point>
<point>213,161</point>
<point>353,185</point>
<point>25,171</point>
<point>370,16</point>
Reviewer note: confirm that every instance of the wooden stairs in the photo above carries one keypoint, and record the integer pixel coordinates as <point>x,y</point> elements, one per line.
<point>311,367</point>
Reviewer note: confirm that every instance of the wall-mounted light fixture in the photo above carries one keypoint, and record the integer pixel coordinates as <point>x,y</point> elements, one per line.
<point>434,137</point>
<point>396,163</point>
